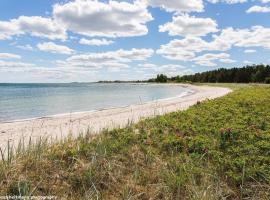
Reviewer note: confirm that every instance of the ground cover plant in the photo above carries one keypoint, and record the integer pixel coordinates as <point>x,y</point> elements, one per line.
<point>217,149</point>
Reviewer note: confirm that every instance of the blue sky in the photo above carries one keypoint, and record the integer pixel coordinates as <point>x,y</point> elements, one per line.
<point>91,40</point>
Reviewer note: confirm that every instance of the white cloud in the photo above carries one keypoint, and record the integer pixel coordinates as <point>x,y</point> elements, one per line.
<point>250,51</point>
<point>187,48</point>
<point>35,26</point>
<point>147,65</point>
<point>185,25</point>
<point>178,5</point>
<point>265,1</point>
<point>95,42</point>
<point>95,18</point>
<point>208,59</point>
<point>256,36</point>
<point>38,73</point>
<point>54,48</point>
<point>9,56</point>
<point>9,65</point>
<point>247,62</point>
<point>258,9</point>
<point>117,59</point>
<point>119,56</point>
<point>8,29</point>
<point>207,63</point>
<point>173,52</point>
<point>79,67</point>
<point>169,68</point>
<point>25,47</point>
<point>227,60</point>
<point>228,1</point>
<point>114,69</point>
<point>41,27</point>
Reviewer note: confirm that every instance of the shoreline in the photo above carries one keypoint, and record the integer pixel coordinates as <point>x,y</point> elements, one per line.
<point>184,94</point>
<point>58,127</point>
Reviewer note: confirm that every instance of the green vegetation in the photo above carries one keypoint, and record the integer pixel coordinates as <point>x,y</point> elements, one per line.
<point>267,80</point>
<point>248,74</point>
<point>218,149</point>
<point>161,78</point>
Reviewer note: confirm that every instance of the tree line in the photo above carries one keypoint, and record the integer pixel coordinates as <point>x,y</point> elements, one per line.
<point>247,74</point>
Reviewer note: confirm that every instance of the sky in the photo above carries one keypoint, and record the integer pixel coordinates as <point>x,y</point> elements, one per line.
<point>92,40</point>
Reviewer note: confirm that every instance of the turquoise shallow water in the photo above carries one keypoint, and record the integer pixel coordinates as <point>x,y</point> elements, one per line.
<point>22,101</point>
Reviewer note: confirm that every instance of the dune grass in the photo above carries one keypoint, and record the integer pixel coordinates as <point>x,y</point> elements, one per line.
<point>218,149</point>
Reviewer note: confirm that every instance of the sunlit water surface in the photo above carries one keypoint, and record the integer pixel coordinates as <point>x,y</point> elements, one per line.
<point>23,101</point>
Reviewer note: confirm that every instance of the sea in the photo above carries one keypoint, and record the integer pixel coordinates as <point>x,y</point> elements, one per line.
<point>26,101</point>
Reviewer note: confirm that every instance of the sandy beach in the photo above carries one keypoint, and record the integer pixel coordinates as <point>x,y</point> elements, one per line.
<point>60,126</point>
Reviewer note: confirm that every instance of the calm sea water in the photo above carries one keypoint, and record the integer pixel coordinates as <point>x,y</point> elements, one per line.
<point>22,101</point>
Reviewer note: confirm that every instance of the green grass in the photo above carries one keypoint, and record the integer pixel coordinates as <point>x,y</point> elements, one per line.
<point>218,149</point>
<point>233,86</point>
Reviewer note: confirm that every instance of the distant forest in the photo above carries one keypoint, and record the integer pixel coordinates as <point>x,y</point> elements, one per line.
<point>247,74</point>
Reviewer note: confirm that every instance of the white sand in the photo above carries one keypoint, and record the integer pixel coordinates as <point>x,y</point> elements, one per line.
<point>58,127</point>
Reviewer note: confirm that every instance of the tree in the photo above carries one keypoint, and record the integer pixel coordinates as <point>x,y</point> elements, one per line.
<point>267,80</point>
<point>247,74</point>
<point>161,78</point>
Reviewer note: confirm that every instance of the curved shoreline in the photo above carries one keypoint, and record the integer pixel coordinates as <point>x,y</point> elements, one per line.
<point>187,93</point>
<point>59,127</point>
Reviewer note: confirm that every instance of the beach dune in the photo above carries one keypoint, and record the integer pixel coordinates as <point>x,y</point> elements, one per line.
<point>60,126</point>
